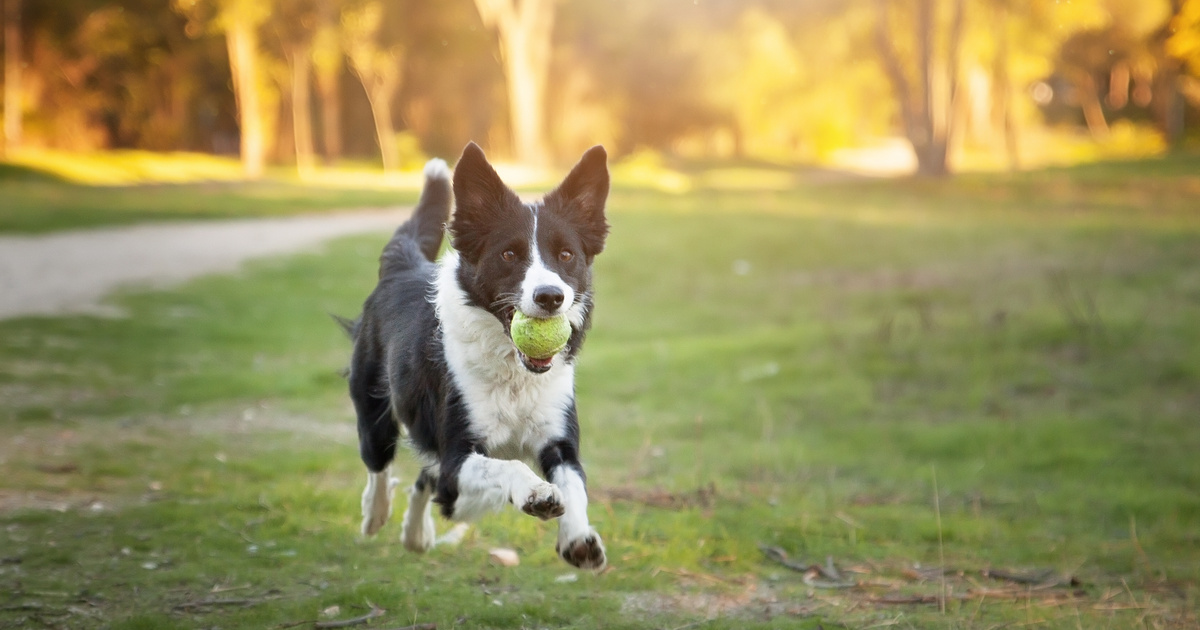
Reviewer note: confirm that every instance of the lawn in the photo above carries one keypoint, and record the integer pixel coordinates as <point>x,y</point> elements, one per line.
<point>993,375</point>
<point>43,192</point>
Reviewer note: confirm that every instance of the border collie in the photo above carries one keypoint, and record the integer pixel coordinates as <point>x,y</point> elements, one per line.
<point>434,358</point>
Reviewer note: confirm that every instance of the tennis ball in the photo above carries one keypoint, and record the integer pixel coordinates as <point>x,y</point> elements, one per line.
<point>540,338</point>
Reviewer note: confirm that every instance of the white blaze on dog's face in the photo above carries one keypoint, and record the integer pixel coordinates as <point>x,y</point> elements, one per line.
<point>532,257</point>
<point>543,291</point>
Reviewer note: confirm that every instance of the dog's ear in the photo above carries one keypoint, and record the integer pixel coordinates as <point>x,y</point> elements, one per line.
<point>480,201</point>
<point>581,197</point>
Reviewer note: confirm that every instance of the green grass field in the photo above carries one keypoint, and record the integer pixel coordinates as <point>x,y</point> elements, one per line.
<point>47,191</point>
<point>992,373</point>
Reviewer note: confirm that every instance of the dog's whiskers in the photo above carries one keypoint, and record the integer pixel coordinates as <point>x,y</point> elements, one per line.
<point>512,300</point>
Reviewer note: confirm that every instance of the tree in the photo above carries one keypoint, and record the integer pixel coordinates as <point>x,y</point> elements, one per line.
<point>379,67</point>
<point>525,28</point>
<point>327,67</point>
<point>294,22</point>
<point>12,75</point>
<point>1181,43</point>
<point>927,101</point>
<point>239,20</point>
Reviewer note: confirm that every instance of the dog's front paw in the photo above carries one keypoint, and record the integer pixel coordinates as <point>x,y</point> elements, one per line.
<point>585,552</point>
<point>544,501</point>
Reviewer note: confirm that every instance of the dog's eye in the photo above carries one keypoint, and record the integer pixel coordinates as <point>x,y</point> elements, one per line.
<point>565,255</point>
<point>509,255</point>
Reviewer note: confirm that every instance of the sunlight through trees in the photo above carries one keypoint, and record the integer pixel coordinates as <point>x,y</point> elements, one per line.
<point>964,83</point>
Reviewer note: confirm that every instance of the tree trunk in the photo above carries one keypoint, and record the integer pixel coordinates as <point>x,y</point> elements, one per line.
<point>1093,112</point>
<point>525,28</point>
<point>1002,114</point>
<point>1174,111</point>
<point>380,96</point>
<point>329,86</point>
<point>1172,108</point>
<point>301,110</point>
<point>928,109</point>
<point>327,67</point>
<point>526,99</point>
<point>381,81</point>
<point>949,114</point>
<point>12,76</point>
<point>243,59</point>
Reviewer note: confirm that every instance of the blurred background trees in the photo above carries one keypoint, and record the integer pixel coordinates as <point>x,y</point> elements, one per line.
<point>997,83</point>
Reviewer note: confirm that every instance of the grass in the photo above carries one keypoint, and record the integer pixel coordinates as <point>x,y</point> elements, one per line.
<point>38,200</point>
<point>787,366</point>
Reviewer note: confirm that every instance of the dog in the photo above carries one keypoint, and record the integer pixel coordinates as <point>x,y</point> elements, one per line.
<point>434,358</point>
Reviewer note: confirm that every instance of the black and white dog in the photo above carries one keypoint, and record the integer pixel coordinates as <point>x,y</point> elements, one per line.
<point>434,358</point>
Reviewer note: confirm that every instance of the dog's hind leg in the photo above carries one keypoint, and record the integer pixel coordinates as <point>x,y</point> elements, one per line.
<point>419,533</point>
<point>378,433</point>
<point>377,500</point>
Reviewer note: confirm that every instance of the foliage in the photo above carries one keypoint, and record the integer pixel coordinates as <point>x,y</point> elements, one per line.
<point>1184,42</point>
<point>121,73</point>
<point>766,79</point>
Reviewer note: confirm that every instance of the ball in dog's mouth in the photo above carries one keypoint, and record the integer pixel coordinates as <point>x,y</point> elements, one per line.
<point>538,339</point>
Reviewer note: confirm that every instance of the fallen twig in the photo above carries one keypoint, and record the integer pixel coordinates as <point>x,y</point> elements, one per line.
<point>905,599</point>
<point>420,626</point>
<point>813,573</point>
<point>778,555</point>
<point>375,613</point>
<point>811,579</point>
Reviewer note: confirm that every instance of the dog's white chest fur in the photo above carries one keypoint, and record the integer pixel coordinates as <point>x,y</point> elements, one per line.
<point>515,411</point>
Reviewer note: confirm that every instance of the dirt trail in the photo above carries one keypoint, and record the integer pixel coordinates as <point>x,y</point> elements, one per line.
<point>71,272</point>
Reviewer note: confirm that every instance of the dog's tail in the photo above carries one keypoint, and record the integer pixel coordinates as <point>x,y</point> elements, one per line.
<point>349,326</point>
<point>419,238</point>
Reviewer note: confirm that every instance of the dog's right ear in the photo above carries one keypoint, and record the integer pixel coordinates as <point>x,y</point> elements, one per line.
<point>481,200</point>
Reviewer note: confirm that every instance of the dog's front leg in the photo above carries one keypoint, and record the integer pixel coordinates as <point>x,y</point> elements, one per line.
<point>578,543</point>
<point>481,484</point>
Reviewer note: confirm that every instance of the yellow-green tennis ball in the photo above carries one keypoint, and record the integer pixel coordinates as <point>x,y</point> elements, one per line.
<point>540,338</point>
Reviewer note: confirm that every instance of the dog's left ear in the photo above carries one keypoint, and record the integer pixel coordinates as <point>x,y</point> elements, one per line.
<point>581,197</point>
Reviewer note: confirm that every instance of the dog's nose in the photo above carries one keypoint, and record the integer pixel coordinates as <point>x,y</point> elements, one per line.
<point>548,297</point>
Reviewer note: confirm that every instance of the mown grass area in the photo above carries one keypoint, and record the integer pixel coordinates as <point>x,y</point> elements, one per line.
<point>34,202</point>
<point>792,367</point>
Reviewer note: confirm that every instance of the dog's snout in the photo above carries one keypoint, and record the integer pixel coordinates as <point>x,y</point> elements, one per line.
<point>548,297</point>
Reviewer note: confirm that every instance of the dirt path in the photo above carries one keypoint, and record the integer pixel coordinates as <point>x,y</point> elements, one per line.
<point>71,272</point>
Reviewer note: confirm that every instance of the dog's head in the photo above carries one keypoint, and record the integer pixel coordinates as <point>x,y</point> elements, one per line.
<point>533,257</point>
